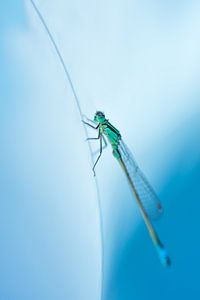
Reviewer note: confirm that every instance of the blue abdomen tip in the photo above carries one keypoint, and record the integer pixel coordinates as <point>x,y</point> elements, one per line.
<point>165,259</point>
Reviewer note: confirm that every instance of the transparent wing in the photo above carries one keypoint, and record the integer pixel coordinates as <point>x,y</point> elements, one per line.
<point>148,197</point>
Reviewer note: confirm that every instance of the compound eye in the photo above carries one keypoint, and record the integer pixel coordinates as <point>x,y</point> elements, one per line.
<point>100,114</point>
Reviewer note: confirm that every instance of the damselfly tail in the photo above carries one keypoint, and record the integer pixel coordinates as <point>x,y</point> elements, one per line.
<point>155,239</point>
<point>164,257</point>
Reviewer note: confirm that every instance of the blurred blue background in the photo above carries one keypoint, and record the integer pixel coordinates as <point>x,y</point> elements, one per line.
<point>138,61</point>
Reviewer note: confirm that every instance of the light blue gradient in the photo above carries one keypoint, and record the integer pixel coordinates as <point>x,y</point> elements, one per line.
<point>138,61</point>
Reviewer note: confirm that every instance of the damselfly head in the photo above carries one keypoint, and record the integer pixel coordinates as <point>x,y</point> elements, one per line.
<point>99,117</point>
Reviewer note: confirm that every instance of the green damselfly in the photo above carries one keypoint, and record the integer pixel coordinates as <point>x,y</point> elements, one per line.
<point>146,198</point>
<point>144,194</point>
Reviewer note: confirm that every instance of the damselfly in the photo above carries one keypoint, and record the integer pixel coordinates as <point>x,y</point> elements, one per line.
<point>144,194</point>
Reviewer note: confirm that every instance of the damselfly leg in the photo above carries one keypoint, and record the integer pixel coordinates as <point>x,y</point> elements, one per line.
<point>101,138</point>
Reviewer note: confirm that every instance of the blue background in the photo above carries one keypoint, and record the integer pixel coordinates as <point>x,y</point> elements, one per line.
<point>138,61</point>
